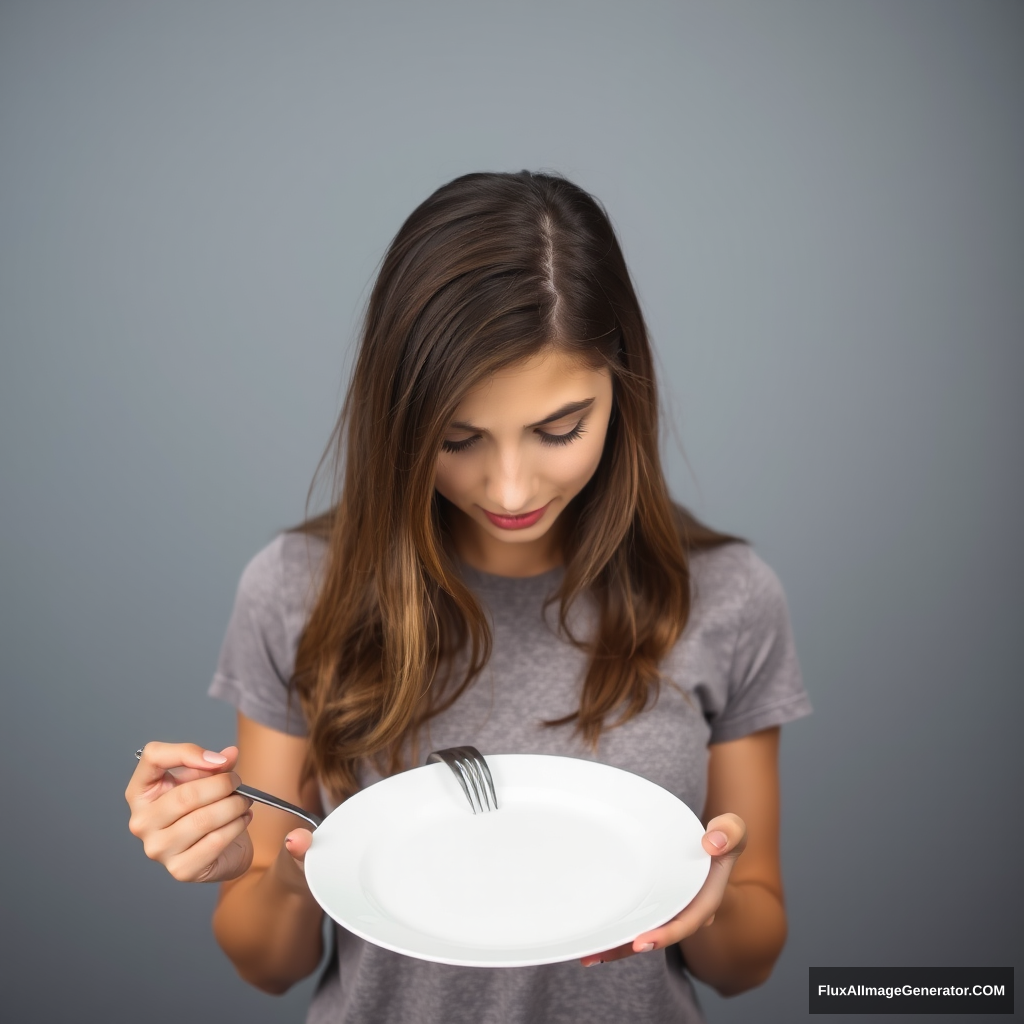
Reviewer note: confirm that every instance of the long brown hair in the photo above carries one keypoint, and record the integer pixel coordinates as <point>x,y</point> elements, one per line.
<point>490,270</point>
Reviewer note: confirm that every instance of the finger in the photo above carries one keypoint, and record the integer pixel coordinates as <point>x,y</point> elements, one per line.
<point>297,843</point>
<point>190,774</point>
<point>159,758</point>
<point>180,801</point>
<point>184,833</point>
<point>219,855</point>
<point>700,911</point>
<point>292,859</point>
<point>618,953</point>
<point>726,833</point>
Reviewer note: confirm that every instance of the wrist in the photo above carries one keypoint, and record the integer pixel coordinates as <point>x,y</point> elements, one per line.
<point>738,949</point>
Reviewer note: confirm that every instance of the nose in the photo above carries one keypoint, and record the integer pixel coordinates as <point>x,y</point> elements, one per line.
<point>510,485</point>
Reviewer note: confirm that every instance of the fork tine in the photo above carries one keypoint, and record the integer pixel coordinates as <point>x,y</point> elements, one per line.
<point>473,776</point>
<point>485,783</point>
<point>469,774</point>
<point>490,784</point>
<point>468,765</point>
<point>449,758</point>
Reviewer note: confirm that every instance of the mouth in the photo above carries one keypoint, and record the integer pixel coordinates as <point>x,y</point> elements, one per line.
<point>516,522</point>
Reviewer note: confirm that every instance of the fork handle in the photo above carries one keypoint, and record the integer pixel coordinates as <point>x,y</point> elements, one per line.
<point>282,805</point>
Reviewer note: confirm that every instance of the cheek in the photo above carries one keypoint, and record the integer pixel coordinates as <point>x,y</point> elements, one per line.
<point>441,478</point>
<point>597,445</point>
<point>578,468</point>
<point>448,481</point>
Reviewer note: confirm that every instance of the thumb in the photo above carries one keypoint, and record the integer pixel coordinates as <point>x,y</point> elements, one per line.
<point>726,837</point>
<point>297,843</point>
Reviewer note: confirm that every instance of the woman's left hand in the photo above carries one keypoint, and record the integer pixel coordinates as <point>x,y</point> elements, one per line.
<point>725,839</point>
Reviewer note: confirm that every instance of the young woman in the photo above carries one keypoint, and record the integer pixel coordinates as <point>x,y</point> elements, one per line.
<point>501,566</point>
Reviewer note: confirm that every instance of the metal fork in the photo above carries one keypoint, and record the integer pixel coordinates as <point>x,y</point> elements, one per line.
<point>470,768</point>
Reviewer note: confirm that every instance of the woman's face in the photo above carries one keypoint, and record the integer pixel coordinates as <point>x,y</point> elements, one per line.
<point>522,445</point>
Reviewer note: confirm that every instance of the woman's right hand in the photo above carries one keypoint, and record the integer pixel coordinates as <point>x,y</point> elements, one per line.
<point>187,814</point>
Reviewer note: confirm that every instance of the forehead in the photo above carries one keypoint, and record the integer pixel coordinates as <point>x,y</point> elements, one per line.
<point>538,384</point>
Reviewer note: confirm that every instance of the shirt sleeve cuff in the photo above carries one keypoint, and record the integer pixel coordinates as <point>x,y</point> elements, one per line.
<point>287,720</point>
<point>789,709</point>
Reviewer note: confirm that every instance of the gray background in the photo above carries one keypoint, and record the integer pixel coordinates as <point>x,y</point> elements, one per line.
<point>821,203</point>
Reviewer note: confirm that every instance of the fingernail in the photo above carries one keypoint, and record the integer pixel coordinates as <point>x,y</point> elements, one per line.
<point>718,840</point>
<point>213,758</point>
<point>646,947</point>
<point>594,963</point>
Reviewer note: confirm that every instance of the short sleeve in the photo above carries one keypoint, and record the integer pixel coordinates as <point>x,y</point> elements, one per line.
<point>257,657</point>
<point>765,686</point>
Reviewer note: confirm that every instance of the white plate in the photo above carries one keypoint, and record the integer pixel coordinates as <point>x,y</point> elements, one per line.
<point>579,857</point>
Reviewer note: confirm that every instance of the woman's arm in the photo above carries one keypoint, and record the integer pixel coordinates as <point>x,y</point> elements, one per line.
<point>739,948</point>
<point>267,921</point>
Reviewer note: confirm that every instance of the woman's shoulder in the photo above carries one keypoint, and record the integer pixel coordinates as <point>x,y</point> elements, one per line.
<point>740,622</point>
<point>285,572</point>
<point>732,579</point>
<point>272,604</point>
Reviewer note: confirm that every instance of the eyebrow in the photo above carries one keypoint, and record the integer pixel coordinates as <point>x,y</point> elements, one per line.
<point>566,410</point>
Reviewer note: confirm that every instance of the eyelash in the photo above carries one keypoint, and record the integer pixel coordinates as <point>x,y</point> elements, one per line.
<point>453,447</point>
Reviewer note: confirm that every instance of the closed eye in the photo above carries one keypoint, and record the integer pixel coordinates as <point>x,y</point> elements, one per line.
<point>453,447</point>
<point>576,432</point>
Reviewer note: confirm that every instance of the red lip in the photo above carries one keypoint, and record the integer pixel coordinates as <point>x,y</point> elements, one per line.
<point>516,522</point>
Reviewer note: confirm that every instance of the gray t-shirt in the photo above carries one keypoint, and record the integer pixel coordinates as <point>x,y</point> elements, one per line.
<point>733,671</point>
